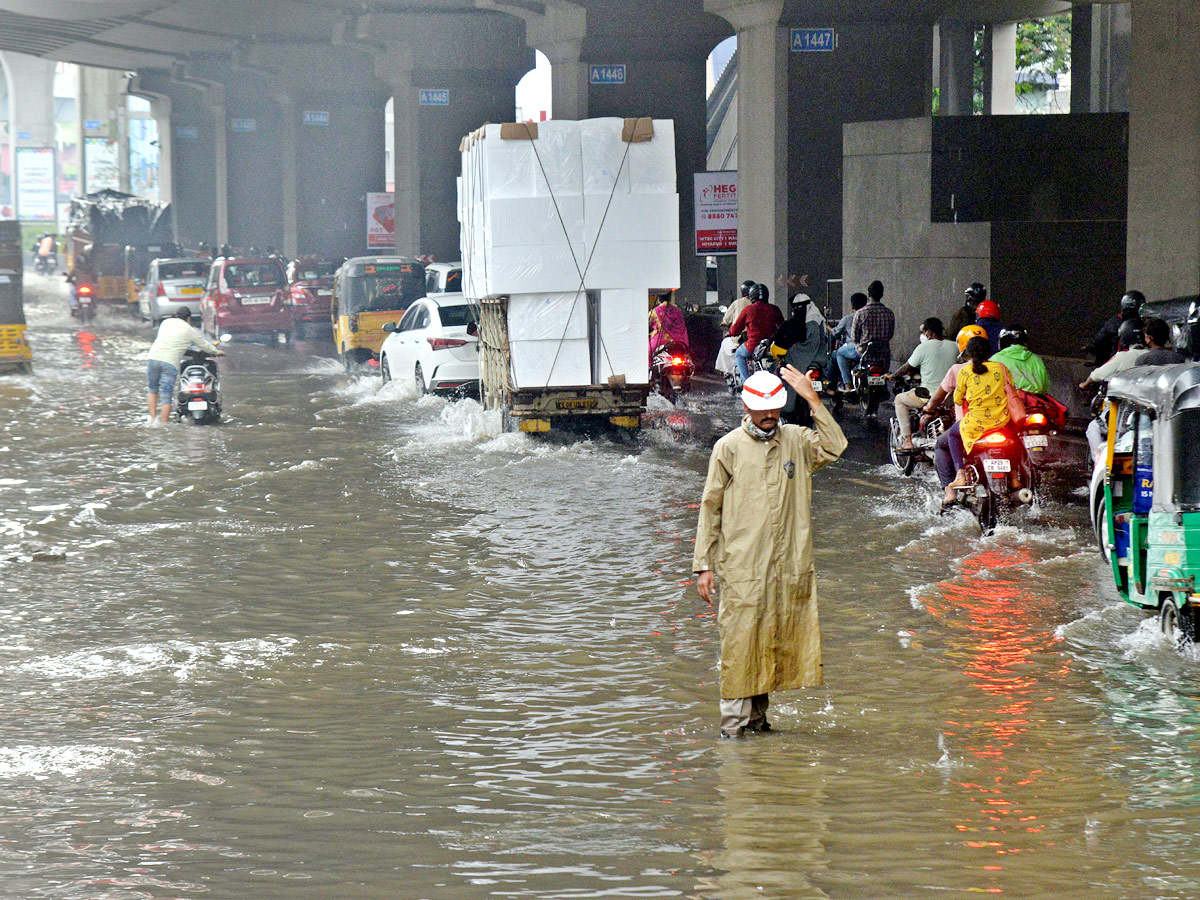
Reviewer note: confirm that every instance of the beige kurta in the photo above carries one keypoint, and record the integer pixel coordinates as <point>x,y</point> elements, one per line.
<point>755,533</point>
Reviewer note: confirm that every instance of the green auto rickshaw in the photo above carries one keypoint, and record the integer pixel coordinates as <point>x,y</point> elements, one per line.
<point>1151,492</point>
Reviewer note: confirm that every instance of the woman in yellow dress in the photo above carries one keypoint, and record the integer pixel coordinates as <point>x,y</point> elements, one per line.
<point>983,389</point>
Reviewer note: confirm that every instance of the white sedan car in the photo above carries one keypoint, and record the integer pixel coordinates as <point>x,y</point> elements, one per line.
<point>431,345</point>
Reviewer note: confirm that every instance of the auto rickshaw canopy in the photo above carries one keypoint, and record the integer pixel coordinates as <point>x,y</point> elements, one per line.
<point>1168,390</point>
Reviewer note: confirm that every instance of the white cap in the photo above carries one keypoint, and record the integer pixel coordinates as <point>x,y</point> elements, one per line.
<point>763,390</point>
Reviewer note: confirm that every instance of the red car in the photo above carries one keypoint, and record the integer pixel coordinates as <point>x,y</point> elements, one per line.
<point>310,293</point>
<point>246,296</point>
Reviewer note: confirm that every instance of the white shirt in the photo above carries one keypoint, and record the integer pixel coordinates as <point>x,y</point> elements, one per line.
<point>174,338</point>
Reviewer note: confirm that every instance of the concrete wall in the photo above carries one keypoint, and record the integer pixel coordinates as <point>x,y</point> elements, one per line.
<point>881,70</point>
<point>887,233</point>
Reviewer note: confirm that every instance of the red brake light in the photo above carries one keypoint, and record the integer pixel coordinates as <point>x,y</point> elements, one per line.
<point>1035,419</point>
<point>445,343</point>
<point>162,291</point>
<point>677,360</point>
<point>85,289</point>
<point>373,363</point>
<point>993,440</point>
<point>876,370</point>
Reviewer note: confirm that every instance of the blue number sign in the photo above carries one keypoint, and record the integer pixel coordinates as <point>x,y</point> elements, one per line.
<point>607,74</point>
<point>813,40</point>
<point>316,117</point>
<point>434,97</point>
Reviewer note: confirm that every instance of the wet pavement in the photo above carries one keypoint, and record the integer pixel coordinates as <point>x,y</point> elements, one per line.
<point>354,644</point>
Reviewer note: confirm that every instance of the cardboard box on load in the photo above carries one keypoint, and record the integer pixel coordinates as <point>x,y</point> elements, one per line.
<point>651,217</point>
<point>551,363</point>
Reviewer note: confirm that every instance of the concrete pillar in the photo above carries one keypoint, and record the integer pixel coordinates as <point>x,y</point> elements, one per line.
<point>956,67</point>
<point>1163,248</point>
<point>1002,89</point>
<point>30,100</point>
<point>395,69</point>
<point>1100,43</point>
<point>215,99</point>
<point>160,109</point>
<point>559,31</point>
<point>762,137</point>
<point>288,194</point>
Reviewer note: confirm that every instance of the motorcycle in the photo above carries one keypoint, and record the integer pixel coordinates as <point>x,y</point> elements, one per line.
<point>998,475</point>
<point>671,369</point>
<point>45,265</point>
<point>925,429</point>
<point>85,304</point>
<point>763,359</point>
<point>198,397</point>
<point>870,386</point>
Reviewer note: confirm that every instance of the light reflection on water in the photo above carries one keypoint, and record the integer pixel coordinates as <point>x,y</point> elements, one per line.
<point>355,644</point>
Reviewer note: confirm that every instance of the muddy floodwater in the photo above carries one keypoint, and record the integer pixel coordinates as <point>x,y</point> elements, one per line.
<point>352,644</point>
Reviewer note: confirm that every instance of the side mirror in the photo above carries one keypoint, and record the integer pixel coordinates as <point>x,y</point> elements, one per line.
<point>473,329</point>
<point>389,327</point>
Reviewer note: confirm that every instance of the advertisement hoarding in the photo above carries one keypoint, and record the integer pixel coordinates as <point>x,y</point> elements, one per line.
<point>35,184</point>
<point>381,223</point>
<point>100,157</point>
<point>716,213</point>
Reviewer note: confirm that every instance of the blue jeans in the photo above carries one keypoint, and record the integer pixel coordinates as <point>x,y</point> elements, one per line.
<point>741,356</point>
<point>160,377</point>
<point>949,455</point>
<point>846,355</point>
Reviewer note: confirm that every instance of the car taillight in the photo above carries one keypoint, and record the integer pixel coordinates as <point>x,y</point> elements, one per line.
<point>445,343</point>
<point>1035,419</point>
<point>162,291</point>
<point>995,439</point>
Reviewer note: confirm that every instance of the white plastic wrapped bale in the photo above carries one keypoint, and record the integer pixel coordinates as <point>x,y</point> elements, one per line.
<point>537,364</point>
<point>620,264</point>
<point>625,344</point>
<point>503,168</point>
<point>530,270</point>
<point>545,317</point>
<point>605,165</point>
<point>652,217</point>
<point>558,159</point>
<point>652,163</point>
<point>527,221</point>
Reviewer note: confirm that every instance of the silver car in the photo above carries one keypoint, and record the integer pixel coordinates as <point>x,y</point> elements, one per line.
<point>172,284</point>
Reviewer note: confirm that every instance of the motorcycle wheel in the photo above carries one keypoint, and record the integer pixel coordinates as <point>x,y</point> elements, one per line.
<point>904,460</point>
<point>872,404</point>
<point>987,513</point>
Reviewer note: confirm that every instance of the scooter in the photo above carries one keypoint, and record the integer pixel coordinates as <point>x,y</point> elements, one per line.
<point>198,398</point>
<point>45,265</point>
<point>671,369</point>
<point>85,304</point>
<point>925,429</point>
<point>763,359</point>
<point>999,477</point>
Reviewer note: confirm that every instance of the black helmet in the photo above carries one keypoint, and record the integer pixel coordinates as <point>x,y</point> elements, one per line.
<point>1014,334</point>
<point>759,292</point>
<point>1131,304</point>
<point>1129,333</point>
<point>976,293</point>
<point>746,285</point>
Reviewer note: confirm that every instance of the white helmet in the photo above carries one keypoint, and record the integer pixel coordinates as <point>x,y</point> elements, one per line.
<point>763,390</point>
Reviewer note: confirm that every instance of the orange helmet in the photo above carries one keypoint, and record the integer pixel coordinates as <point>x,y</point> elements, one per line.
<point>968,332</point>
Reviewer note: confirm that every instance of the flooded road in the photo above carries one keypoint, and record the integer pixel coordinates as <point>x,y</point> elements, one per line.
<point>350,645</point>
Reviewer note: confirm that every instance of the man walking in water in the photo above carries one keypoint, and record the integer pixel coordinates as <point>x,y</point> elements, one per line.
<point>755,535</point>
<point>175,335</point>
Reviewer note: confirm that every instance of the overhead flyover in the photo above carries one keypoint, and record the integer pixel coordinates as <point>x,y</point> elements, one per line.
<point>210,64</point>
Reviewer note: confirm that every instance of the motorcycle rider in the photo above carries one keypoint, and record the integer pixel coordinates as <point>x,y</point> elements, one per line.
<point>1129,340</point>
<point>1027,369</point>
<point>1158,339</point>
<point>175,335</point>
<point>760,320</point>
<point>46,250</point>
<point>965,314</point>
<point>840,337</point>
<point>873,324</point>
<point>667,324</point>
<point>982,389</point>
<point>932,357</point>
<point>736,307</point>
<point>987,316</point>
<point>1106,342</point>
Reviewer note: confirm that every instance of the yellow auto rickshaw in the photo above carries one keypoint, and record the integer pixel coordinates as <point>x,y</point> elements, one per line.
<point>369,292</point>
<point>15,353</point>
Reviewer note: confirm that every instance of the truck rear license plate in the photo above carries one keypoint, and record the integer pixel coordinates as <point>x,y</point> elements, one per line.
<point>1033,441</point>
<point>992,466</point>
<point>579,403</point>
<point>197,404</point>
